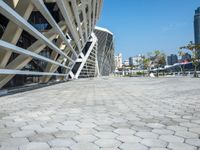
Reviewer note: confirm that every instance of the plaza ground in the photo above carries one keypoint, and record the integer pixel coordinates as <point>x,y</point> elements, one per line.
<point>104,113</point>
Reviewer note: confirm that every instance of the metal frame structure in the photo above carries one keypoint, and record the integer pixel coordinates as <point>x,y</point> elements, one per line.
<point>105,53</point>
<point>64,40</point>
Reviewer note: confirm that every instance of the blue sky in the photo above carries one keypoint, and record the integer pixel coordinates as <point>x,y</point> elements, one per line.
<point>141,26</point>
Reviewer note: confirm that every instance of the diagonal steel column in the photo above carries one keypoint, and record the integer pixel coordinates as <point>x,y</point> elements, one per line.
<point>21,61</point>
<point>13,32</point>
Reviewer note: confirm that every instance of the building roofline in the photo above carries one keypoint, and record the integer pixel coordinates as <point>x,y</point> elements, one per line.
<point>103,29</point>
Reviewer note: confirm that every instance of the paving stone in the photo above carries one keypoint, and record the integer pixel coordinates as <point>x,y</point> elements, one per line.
<point>194,142</point>
<point>162,131</point>
<point>61,142</point>
<point>186,134</point>
<point>12,142</point>
<point>86,125</point>
<point>154,143</point>
<point>181,146</point>
<point>84,146</point>
<point>155,125</point>
<point>65,134</point>
<point>23,133</point>
<point>189,125</point>
<point>75,115</point>
<point>106,135</point>
<point>129,139</point>
<point>195,130</point>
<point>177,128</point>
<point>124,131</point>
<point>108,143</point>
<point>41,137</point>
<point>147,135</point>
<point>171,138</point>
<point>85,138</point>
<point>130,146</point>
<point>157,148</point>
<point>35,146</point>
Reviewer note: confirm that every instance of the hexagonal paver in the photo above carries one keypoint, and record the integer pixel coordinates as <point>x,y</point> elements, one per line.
<point>147,135</point>
<point>61,142</point>
<point>65,134</point>
<point>186,134</point>
<point>42,137</point>
<point>155,125</point>
<point>154,143</point>
<point>194,142</point>
<point>24,133</point>
<point>35,146</point>
<point>171,138</point>
<point>189,125</point>
<point>106,135</point>
<point>177,128</point>
<point>84,146</point>
<point>195,130</point>
<point>108,143</point>
<point>130,146</point>
<point>85,138</point>
<point>181,146</point>
<point>129,138</point>
<point>124,131</point>
<point>86,125</point>
<point>162,131</point>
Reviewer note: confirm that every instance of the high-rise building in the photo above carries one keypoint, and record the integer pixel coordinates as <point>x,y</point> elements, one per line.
<point>172,59</point>
<point>197,26</point>
<point>105,52</point>
<point>47,40</point>
<point>118,61</point>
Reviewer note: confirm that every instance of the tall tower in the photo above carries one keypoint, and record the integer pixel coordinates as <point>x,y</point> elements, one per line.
<point>197,26</point>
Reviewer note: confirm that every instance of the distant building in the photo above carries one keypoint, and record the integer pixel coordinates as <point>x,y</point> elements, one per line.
<point>172,59</point>
<point>118,61</point>
<point>126,62</point>
<point>197,26</point>
<point>135,61</point>
<point>186,57</point>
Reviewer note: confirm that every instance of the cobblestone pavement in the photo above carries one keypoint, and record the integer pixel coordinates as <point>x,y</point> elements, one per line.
<point>106,114</point>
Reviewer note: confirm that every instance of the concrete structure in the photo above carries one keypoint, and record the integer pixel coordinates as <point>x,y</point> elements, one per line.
<point>42,40</point>
<point>104,114</point>
<point>118,61</point>
<point>105,53</point>
<point>197,26</point>
<point>172,59</point>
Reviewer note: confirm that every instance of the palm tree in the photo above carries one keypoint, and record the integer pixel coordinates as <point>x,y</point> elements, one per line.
<point>195,49</point>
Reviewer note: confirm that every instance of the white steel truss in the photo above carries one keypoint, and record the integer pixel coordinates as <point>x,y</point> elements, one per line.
<point>63,40</point>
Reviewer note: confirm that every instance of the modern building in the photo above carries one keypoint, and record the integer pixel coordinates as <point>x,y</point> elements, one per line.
<point>197,26</point>
<point>47,40</point>
<point>105,52</point>
<point>172,59</point>
<point>118,61</point>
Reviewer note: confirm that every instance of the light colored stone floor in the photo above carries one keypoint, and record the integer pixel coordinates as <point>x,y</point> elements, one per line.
<point>106,114</point>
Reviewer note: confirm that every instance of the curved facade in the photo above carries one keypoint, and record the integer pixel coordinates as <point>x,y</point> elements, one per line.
<point>105,52</point>
<point>42,40</point>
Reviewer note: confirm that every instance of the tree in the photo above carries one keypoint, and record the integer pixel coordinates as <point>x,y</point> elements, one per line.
<point>158,59</point>
<point>195,49</point>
